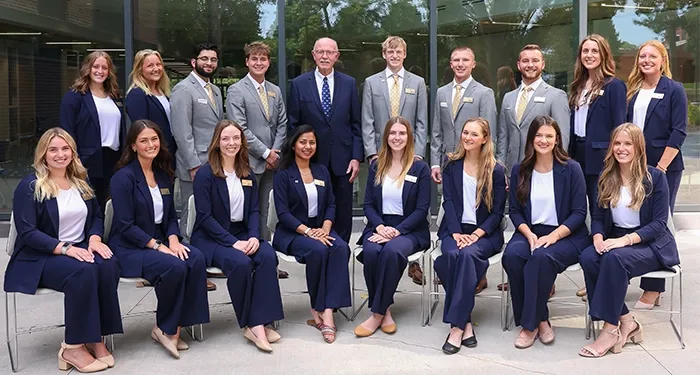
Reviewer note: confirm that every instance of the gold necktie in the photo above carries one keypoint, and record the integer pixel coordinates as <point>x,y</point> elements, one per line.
<point>263,99</point>
<point>394,97</point>
<point>522,104</point>
<point>210,94</point>
<point>456,100</point>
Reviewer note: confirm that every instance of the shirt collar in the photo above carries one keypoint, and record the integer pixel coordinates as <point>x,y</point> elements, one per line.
<point>533,85</point>
<point>255,83</point>
<point>389,73</point>
<point>199,79</point>
<point>464,84</point>
<point>321,76</point>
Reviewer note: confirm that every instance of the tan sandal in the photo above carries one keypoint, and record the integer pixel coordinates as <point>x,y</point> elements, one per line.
<point>588,352</point>
<point>636,335</point>
<point>65,365</point>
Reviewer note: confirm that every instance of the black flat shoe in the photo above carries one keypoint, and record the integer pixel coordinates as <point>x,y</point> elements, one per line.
<point>470,342</point>
<point>448,348</point>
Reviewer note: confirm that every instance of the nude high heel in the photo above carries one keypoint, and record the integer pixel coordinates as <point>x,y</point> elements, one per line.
<point>648,306</point>
<point>65,365</point>
<point>637,334</point>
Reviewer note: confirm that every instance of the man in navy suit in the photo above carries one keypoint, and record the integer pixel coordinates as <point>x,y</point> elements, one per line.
<point>327,100</point>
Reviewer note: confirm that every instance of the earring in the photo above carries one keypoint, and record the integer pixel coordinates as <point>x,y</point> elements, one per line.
<point>134,149</point>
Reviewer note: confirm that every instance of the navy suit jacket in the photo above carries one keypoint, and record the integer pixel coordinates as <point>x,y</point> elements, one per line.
<point>214,210</point>
<point>653,217</point>
<point>340,137</point>
<point>134,223</point>
<point>140,106</point>
<point>666,122</point>
<point>453,203</point>
<point>37,235</point>
<point>79,118</point>
<point>291,202</point>
<point>416,203</point>
<point>569,200</point>
<point>605,113</point>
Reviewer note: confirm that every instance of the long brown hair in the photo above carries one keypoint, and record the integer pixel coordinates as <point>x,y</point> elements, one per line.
<point>610,180</point>
<point>82,83</point>
<point>241,164</point>
<point>384,156</point>
<point>528,163</point>
<point>486,162</point>
<point>162,161</point>
<point>605,70</point>
<point>634,82</point>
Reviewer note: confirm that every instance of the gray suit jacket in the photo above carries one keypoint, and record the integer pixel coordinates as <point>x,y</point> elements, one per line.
<point>376,110</point>
<point>193,121</point>
<point>512,136</point>
<point>477,101</point>
<point>243,106</point>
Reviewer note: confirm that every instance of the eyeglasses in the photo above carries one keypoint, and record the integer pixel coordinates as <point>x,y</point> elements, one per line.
<point>321,52</point>
<point>206,59</point>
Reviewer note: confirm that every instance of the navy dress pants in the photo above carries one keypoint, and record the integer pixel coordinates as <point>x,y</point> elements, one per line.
<point>91,303</point>
<point>342,190</point>
<point>578,153</point>
<point>532,274</point>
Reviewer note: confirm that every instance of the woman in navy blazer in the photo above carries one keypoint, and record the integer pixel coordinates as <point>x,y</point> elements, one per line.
<point>306,211</point>
<point>147,98</point>
<point>227,230</point>
<point>659,106</point>
<point>548,209</point>
<point>146,239</point>
<point>397,200</point>
<point>630,238</point>
<point>474,199</point>
<point>598,105</point>
<point>91,113</point>
<point>52,253</point>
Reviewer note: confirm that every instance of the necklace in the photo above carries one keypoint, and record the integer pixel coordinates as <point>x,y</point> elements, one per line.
<point>305,173</point>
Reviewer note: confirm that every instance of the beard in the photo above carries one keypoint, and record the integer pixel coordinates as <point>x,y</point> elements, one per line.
<point>200,70</point>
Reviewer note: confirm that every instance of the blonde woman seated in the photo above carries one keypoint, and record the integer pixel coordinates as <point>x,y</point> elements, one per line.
<point>630,238</point>
<point>397,200</point>
<point>474,194</point>
<point>59,246</point>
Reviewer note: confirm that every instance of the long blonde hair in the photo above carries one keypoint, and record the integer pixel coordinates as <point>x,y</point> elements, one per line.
<point>605,70</point>
<point>634,82</point>
<point>486,162</point>
<point>76,174</point>
<point>82,83</point>
<point>138,80</point>
<point>384,157</point>
<point>610,181</point>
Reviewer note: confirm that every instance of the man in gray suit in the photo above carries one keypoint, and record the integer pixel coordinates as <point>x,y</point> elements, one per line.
<point>257,106</point>
<point>196,108</point>
<point>393,92</point>
<point>455,103</point>
<point>533,98</point>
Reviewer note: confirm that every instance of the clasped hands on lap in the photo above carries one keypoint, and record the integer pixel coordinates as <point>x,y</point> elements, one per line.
<point>175,249</point>
<point>95,245</point>
<point>384,234</point>
<point>321,234</point>
<point>248,247</point>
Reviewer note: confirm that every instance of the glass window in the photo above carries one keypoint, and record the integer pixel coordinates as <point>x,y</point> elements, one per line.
<point>627,25</point>
<point>42,44</point>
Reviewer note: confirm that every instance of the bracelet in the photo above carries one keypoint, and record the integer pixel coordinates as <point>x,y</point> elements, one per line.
<point>474,234</point>
<point>306,232</point>
<point>629,238</point>
<point>659,167</point>
<point>65,247</point>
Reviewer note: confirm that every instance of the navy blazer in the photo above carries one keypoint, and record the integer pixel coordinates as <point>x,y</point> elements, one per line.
<point>340,136</point>
<point>605,113</point>
<point>140,106</point>
<point>453,203</point>
<point>415,198</point>
<point>653,217</point>
<point>37,235</point>
<point>666,122</point>
<point>79,118</point>
<point>291,202</point>
<point>214,210</point>
<point>569,200</point>
<point>134,223</point>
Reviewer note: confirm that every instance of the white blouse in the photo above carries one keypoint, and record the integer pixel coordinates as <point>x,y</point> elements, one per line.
<point>469,198</point>
<point>640,106</point>
<point>72,215</point>
<point>110,121</point>
<point>392,197</point>
<point>622,215</point>
<point>581,115</point>
<point>543,207</point>
<point>157,203</point>
<point>312,197</point>
<point>236,197</point>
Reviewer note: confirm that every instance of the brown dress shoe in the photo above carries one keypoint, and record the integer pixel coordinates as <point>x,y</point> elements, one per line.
<point>503,286</point>
<point>415,273</point>
<point>281,274</point>
<point>211,275</point>
<point>210,286</point>
<point>551,292</point>
<point>581,292</point>
<point>483,284</point>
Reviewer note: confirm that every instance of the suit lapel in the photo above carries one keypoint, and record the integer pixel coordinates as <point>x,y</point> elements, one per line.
<point>591,108</point>
<point>336,92</point>
<point>158,104</point>
<point>142,186</point>
<point>270,102</point>
<point>251,88</point>
<point>458,179</point>
<point>314,93</point>
<point>204,94</point>
<point>247,194</point>
<point>222,189</point>
<point>385,92</point>
<point>92,108</point>
<point>559,182</point>
<point>52,208</point>
<point>402,94</point>
<point>512,101</point>
<point>298,183</point>
<point>469,91</point>
<point>316,171</point>
<point>407,186</point>
<point>660,89</point>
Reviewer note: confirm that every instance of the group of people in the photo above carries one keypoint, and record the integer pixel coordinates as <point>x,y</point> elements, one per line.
<point>617,147</point>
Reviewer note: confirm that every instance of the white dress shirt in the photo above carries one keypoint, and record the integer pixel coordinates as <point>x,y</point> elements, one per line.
<point>110,118</point>
<point>581,115</point>
<point>543,207</point>
<point>257,85</point>
<point>469,199</point>
<point>312,197</point>
<point>72,215</point>
<point>533,85</point>
<point>157,204</point>
<point>392,197</point>
<point>236,197</point>
<point>464,84</point>
<point>623,216</point>
<point>390,79</point>
<point>201,81</point>
<point>166,106</point>
<point>319,83</point>
<point>641,105</point>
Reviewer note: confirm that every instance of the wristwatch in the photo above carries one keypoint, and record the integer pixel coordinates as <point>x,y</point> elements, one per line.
<point>157,245</point>
<point>65,247</point>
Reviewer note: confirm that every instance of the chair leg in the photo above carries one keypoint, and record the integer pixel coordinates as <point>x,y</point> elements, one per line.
<point>11,339</point>
<point>352,287</point>
<point>422,292</point>
<point>192,330</point>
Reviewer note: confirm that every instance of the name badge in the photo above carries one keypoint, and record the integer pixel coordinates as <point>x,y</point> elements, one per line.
<point>319,182</point>
<point>246,182</point>
<point>443,104</point>
<point>601,92</point>
<point>539,99</point>
<point>271,94</point>
<point>410,178</point>
<point>657,95</point>
<point>410,91</point>
<point>120,104</point>
<point>468,99</point>
<point>202,101</point>
<point>165,191</point>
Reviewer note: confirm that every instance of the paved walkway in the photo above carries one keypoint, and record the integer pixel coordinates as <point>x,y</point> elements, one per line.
<point>412,350</point>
